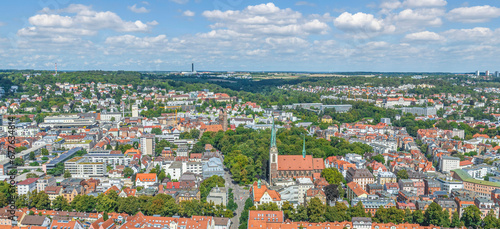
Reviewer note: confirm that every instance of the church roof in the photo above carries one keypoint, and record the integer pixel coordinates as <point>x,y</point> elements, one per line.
<point>295,162</point>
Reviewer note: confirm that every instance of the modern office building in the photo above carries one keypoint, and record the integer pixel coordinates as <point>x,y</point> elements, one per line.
<point>82,167</point>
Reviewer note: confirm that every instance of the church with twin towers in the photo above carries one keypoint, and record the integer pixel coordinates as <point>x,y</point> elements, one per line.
<point>292,166</point>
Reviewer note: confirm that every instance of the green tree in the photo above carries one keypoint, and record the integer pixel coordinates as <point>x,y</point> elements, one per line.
<point>32,156</point>
<point>105,215</point>
<point>20,148</point>
<point>418,217</point>
<point>379,158</point>
<point>455,219</point>
<point>67,174</point>
<point>490,221</point>
<point>45,152</point>
<point>128,172</point>
<point>337,213</point>
<point>60,204</point>
<point>315,210</point>
<point>471,216</point>
<point>358,210</point>
<point>402,174</point>
<point>105,203</point>
<point>156,131</point>
<point>18,161</point>
<point>333,176</point>
<point>42,201</point>
<point>209,183</point>
<point>433,215</point>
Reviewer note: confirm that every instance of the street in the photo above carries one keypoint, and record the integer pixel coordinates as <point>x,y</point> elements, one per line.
<point>241,196</point>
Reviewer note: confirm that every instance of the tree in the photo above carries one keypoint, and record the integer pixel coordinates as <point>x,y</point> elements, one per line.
<point>490,221</point>
<point>332,175</point>
<point>32,156</point>
<point>471,216</point>
<point>337,213</point>
<point>3,200</point>
<point>433,214</point>
<point>45,152</point>
<point>358,210</point>
<point>113,119</point>
<point>402,174</point>
<point>20,148</point>
<point>315,210</point>
<point>418,217</point>
<point>105,215</point>
<point>105,203</point>
<point>67,174</point>
<point>128,172</point>
<point>208,184</point>
<point>331,192</point>
<point>162,175</point>
<point>60,204</point>
<point>42,201</point>
<point>455,219</point>
<point>18,161</point>
<point>379,158</point>
<point>156,131</point>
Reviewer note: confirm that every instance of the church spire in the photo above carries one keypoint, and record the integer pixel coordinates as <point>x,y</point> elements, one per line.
<point>273,135</point>
<point>304,147</point>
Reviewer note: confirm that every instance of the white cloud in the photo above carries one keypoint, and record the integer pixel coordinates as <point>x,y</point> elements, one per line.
<point>136,42</point>
<point>424,36</point>
<point>188,13</point>
<point>424,3</point>
<point>477,35</point>
<point>409,19</point>
<point>138,10</point>
<point>389,5</point>
<point>362,25</point>
<point>180,1</point>
<point>266,20</point>
<point>474,14</point>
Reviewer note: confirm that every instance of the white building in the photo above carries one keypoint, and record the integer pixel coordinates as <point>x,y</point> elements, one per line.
<point>81,167</point>
<point>304,185</point>
<point>26,186</point>
<point>448,163</point>
<point>449,184</point>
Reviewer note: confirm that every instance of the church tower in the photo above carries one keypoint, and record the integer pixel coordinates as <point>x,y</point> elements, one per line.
<point>223,119</point>
<point>273,156</point>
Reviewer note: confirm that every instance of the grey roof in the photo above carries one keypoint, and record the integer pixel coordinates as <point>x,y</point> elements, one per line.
<point>33,220</point>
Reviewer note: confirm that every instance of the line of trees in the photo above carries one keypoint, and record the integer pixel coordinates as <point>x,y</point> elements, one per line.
<point>160,204</point>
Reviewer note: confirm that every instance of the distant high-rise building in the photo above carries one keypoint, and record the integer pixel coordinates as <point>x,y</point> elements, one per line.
<point>487,73</point>
<point>192,67</point>
<point>497,74</point>
<point>148,144</point>
<point>477,73</point>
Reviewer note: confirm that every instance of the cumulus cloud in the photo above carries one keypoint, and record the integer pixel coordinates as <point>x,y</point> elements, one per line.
<point>188,13</point>
<point>389,5</point>
<point>85,22</point>
<point>474,14</point>
<point>424,3</point>
<point>424,36</point>
<point>477,35</point>
<point>362,25</point>
<point>138,10</point>
<point>409,19</point>
<point>266,20</point>
<point>136,42</point>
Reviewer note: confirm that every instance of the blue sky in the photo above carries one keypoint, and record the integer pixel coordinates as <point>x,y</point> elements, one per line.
<point>237,35</point>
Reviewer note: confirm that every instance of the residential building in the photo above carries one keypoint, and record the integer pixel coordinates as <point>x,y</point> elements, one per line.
<point>82,167</point>
<point>261,194</point>
<point>44,182</point>
<point>360,176</point>
<point>147,143</point>
<point>145,180</point>
<point>26,186</point>
<point>218,195</point>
